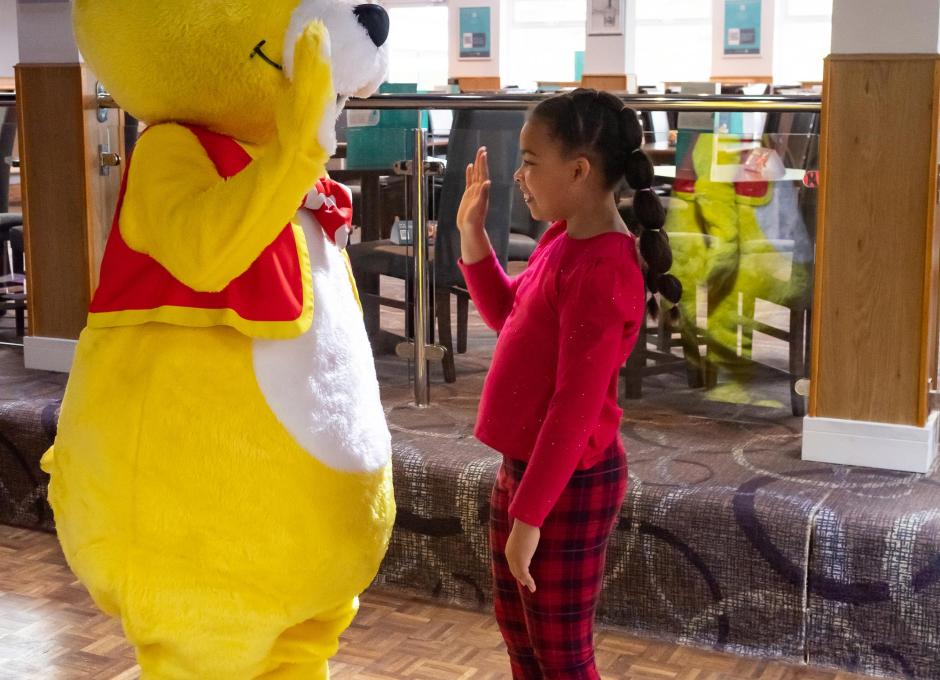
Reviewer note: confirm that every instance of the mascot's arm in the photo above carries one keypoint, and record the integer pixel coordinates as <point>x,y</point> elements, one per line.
<point>207,230</point>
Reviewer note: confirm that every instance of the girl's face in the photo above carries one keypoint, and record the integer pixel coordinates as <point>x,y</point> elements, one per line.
<point>547,179</point>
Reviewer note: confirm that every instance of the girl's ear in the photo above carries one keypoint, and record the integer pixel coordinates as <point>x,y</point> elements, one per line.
<point>582,168</point>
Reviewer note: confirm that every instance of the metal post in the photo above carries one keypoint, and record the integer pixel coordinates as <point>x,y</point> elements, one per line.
<point>420,241</point>
<point>420,351</point>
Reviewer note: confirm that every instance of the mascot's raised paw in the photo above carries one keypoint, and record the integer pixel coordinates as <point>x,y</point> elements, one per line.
<point>206,489</point>
<point>303,120</point>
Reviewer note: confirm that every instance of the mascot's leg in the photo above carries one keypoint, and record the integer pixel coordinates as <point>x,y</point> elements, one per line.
<point>97,559</point>
<point>187,509</point>
<point>230,643</point>
<point>301,652</point>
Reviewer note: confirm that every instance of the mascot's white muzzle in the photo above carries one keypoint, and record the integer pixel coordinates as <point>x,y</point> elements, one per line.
<point>356,49</point>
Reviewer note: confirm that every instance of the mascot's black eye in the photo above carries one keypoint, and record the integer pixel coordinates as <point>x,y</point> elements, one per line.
<point>375,20</point>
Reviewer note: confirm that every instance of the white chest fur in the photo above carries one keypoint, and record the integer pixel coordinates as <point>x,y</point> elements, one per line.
<point>322,384</point>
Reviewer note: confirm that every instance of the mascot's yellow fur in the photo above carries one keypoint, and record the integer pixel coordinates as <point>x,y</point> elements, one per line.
<point>220,483</point>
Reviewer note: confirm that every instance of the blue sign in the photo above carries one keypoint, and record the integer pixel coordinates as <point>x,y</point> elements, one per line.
<point>742,27</point>
<point>474,33</point>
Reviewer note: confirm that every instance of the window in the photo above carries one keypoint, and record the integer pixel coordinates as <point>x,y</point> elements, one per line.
<point>674,10</point>
<point>417,45</point>
<point>541,12</point>
<point>802,39</point>
<point>673,41</point>
<point>543,36</point>
<point>809,8</point>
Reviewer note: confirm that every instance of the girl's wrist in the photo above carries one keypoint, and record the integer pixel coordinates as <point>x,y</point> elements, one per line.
<point>474,256</point>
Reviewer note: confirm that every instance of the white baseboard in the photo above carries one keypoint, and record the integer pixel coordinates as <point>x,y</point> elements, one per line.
<point>879,445</point>
<point>49,354</point>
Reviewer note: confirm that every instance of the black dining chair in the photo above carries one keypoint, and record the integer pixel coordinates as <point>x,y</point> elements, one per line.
<point>12,295</point>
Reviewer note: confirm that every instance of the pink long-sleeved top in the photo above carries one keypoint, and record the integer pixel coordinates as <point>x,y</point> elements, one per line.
<point>566,325</point>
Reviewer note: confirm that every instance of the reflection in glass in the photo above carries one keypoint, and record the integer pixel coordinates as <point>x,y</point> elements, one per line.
<point>740,221</point>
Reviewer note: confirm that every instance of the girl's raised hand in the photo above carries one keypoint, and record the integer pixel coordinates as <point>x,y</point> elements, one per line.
<point>471,215</point>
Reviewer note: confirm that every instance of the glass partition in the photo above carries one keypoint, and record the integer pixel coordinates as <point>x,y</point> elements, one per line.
<point>739,187</point>
<point>741,219</point>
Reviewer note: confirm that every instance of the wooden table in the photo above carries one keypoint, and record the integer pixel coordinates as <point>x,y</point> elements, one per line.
<point>661,153</point>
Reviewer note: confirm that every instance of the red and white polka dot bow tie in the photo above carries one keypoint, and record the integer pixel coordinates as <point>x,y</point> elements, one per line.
<point>331,203</point>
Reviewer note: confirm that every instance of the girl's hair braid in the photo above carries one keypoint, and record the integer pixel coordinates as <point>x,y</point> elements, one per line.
<point>598,125</point>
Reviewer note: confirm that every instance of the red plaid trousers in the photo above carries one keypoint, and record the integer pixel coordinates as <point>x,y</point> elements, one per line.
<point>550,633</point>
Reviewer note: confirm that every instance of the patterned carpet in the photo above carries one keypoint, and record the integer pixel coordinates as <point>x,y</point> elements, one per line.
<point>727,539</point>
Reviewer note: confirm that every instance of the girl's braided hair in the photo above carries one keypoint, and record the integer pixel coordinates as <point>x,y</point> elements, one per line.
<point>598,125</point>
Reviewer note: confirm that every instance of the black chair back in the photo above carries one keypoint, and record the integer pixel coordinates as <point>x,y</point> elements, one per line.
<point>792,134</point>
<point>7,137</point>
<point>498,131</point>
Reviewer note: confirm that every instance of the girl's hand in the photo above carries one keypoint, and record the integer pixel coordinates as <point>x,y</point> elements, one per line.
<point>471,215</point>
<point>520,548</point>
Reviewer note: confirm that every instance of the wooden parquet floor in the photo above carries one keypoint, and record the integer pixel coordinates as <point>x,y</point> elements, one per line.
<point>50,630</point>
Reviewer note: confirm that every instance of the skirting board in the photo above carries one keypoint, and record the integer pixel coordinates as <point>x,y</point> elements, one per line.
<point>878,445</point>
<point>49,354</point>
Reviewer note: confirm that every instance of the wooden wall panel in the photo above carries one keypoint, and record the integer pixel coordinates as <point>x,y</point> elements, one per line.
<point>52,173</point>
<point>609,82</point>
<point>742,80</point>
<point>932,284</point>
<point>478,83</point>
<point>67,204</point>
<point>875,297</point>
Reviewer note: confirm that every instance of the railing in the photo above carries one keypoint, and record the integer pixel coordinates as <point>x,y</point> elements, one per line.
<point>639,102</point>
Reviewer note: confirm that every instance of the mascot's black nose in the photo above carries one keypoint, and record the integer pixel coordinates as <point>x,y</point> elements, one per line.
<point>375,20</point>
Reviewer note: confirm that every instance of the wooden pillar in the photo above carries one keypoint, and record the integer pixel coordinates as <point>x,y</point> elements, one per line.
<point>875,331</point>
<point>67,202</point>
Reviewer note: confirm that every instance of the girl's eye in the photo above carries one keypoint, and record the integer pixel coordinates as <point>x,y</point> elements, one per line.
<point>525,162</point>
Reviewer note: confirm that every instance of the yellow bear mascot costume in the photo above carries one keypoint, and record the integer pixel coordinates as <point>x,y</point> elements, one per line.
<point>221,477</point>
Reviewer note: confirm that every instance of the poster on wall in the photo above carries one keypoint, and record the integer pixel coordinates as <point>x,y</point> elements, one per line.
<point>474,33</point>
<point>606,17</point>
<point>742,28</point>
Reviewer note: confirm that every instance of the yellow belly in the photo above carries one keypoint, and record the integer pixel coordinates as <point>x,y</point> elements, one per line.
<point>171,478</point>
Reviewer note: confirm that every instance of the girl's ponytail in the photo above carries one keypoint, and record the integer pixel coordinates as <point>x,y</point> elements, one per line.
<point>651,216</point>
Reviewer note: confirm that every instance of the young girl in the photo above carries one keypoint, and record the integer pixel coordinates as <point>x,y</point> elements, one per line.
<point>549,404</point>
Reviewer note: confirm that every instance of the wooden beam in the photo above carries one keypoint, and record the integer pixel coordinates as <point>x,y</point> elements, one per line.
<point>875,319</point>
